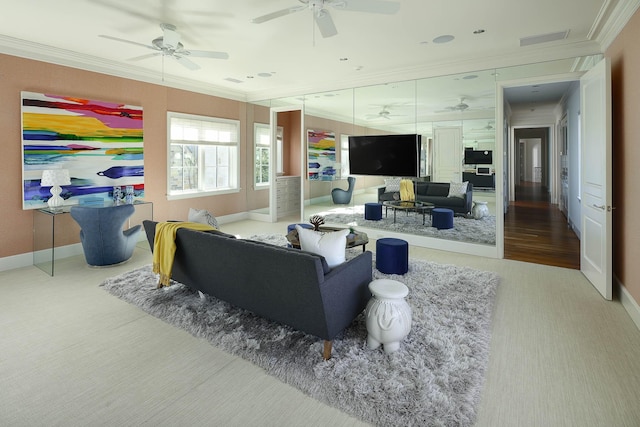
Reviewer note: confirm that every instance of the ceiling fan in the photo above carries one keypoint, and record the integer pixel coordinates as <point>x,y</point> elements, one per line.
<point>385,113</point>
<point>169,45</point>
<point>321,14</point>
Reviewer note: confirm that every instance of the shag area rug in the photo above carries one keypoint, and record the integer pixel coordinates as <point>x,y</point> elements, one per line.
<point>435,379</point>
<point>464,229</point>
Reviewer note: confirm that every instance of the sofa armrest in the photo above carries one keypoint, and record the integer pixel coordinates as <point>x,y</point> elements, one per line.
<point>381,191</point>
<point>468,199</point>
<point>345,292</point>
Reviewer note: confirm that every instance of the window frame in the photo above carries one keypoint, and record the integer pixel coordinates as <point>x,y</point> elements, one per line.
<point>279,159</point>
<point>233,176</point>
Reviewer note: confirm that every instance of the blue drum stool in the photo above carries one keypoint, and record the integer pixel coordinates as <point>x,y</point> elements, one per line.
<point>442,218</point>
<point>373,211</point>
<point>292,227</point>
<point>392,256</point>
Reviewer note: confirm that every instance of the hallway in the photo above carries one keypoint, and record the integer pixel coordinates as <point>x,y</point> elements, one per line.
<point>536,231</point>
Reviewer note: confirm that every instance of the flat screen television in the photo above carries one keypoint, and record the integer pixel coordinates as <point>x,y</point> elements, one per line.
<point>478,157</point>
<point>385,155</point>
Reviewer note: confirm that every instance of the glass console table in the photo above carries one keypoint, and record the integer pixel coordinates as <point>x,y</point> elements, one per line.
<point>52,232</point>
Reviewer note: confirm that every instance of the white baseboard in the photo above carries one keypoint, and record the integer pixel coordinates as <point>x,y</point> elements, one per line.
<point>25,260</point>
<point>629,303</point>
<point>16,261</point>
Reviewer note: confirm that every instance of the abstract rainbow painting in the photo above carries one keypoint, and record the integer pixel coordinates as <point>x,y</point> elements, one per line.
<point>321,154</point>
<point>100,143</point>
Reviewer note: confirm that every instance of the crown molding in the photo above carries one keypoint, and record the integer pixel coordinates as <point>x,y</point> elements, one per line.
<point>515,57</point>
<point>38,52</point>
<point>615,22</point>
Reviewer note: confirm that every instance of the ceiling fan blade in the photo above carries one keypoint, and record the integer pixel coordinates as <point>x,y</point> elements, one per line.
<point>187,63</point>
<point>325,24</point>
<point>277,14</point>
<point>127,41</point>
<point>171,37</point>
<point>141,57</point>
<point>206,54</point>
<point>373,6</point>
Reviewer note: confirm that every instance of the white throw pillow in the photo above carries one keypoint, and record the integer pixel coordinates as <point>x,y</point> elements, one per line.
<point>458,189</point>
<point>331,246</point>
<point>202,216</point>
<point>392,185</point>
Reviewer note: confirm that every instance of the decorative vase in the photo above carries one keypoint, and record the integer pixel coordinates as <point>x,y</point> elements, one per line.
<point>388,316</point>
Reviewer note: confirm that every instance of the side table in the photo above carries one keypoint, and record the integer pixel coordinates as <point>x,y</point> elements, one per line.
<point>388,315</point>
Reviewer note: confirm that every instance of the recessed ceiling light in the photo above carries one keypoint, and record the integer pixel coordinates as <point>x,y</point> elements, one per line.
<point>264,74</point>
<point>232,80</point>
<point>478,31</point>
<point>443,39</point>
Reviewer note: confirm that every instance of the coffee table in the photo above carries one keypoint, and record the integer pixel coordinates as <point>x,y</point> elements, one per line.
<point>357,238</point>
<point>408,206</point>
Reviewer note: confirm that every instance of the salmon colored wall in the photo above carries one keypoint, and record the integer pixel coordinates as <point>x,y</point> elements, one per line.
<point>625,65</point>
<point>18,74</point>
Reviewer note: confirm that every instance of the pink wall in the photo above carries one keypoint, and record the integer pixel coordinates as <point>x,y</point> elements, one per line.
<point>18,74</point>
<point>625,65</point>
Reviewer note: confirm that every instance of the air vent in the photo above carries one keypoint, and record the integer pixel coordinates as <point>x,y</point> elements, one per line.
<point>544,38</point>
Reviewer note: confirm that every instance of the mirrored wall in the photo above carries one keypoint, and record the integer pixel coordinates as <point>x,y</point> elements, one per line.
<point>452,114</point>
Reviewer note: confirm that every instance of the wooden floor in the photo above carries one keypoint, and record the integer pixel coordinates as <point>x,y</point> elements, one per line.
<point>536,231</point>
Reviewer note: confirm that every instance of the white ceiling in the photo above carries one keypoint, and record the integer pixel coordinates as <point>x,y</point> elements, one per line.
<point>378,48</point>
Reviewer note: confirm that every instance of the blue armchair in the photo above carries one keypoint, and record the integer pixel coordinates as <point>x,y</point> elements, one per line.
<point>343,197</point>
<point>103,240</point>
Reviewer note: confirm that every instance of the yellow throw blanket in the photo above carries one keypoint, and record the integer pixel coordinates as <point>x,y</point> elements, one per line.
<point>164,247</point>
<point>406,191</point>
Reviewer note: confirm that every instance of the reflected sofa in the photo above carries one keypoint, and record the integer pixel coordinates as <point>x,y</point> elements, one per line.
<point>436,193</point>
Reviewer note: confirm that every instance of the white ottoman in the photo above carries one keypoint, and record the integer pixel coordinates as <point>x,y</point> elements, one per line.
<point>388,315</point>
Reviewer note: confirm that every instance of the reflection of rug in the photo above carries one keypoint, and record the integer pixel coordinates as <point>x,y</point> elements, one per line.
<point>464,229</point>
<point>434,379</point>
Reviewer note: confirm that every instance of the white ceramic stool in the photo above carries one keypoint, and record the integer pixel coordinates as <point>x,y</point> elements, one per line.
<point>480,210</point>
<point>388,315</point>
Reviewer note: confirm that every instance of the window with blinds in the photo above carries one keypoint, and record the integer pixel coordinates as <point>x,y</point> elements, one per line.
<point>203,155</point>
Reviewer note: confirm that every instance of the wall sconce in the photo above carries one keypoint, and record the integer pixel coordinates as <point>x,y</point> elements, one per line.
<point>54,178</point>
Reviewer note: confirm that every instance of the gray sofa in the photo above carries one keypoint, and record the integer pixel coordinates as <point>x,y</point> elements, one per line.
<point>436,193</point>
<point>286,285</point>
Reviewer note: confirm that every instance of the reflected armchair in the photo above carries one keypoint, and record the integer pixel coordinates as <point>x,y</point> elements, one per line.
<point>103,239</point>
<point>343,197</point>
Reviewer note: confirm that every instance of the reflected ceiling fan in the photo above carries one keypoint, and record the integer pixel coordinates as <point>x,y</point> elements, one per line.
<point>169,45</point>
<point>384,113</point>
<point>321,14</point>
<point>461,106</point>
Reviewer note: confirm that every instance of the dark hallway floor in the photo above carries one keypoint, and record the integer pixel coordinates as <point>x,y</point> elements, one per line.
<point>536,231</point>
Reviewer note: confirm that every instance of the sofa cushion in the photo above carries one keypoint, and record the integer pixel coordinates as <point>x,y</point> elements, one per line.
<point>325,267</point>
<point>202,216</point>
<point>332,246</point>
<point>422,188</point>
<point>438,189</point>
<point>457,189</point>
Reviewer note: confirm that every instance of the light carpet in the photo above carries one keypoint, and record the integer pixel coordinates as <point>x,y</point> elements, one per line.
<point>464,229</point>
<point>435,379</point>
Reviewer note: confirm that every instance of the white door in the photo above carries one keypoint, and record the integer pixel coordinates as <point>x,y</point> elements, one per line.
<point>447,155</point>
<point>595,177</point>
